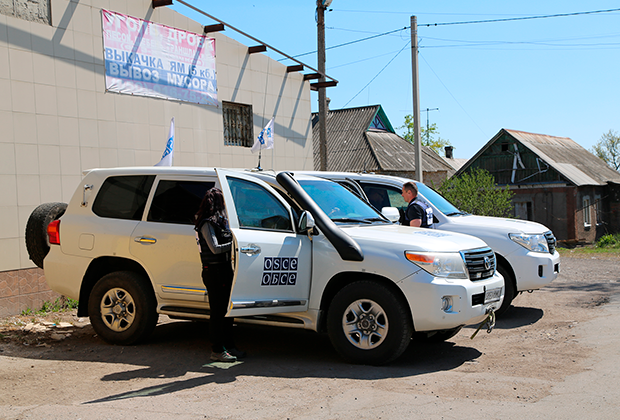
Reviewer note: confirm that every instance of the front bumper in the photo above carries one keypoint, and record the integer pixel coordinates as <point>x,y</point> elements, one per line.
<point>534,270</point>
<point>468,307</point>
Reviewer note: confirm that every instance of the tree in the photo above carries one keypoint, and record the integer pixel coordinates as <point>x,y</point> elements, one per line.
<point>608,149</point>
<point>475,192</point>
<point>429,137</point>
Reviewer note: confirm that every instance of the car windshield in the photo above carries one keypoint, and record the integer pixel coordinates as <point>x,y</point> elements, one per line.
<point>340,204</point>
<point>438,201</point>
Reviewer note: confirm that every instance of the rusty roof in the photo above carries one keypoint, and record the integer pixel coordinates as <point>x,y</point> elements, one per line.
<point>352,145</point>
<point>563,154</point>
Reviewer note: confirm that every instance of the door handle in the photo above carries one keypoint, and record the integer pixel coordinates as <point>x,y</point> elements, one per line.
<point>145,240</point>
<point>251,249</point>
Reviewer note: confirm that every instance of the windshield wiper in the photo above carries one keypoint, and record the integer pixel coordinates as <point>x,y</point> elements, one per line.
<point>377,219</point>
<point>457,213</point>
<point>345,219</point>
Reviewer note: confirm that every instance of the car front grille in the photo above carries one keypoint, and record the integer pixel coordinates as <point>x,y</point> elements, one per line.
<point>550,241</point>
<point>480,263</point>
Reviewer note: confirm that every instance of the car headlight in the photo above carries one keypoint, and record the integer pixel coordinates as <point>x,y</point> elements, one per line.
<point>534,243</point>
<point>439,264</point>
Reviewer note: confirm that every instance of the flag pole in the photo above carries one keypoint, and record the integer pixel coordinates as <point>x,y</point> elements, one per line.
<point>259,153</point>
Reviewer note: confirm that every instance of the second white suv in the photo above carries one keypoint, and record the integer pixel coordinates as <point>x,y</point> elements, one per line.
<point>525,250</point>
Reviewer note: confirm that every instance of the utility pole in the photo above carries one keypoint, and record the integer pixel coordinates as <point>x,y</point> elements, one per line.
<point>416,99</point>
<point>321,5</point>
<point>428,135</point>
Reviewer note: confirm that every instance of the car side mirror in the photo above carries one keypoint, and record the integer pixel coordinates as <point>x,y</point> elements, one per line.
<point>306,223</point>
<point>392,214</point>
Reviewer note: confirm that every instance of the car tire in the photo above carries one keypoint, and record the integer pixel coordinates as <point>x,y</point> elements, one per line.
<point>122,308</point>
<point>37,241</point>
<point>510,290</point>
<point>368,324</point>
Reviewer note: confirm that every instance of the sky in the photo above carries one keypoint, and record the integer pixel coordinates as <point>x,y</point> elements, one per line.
<point>525,71</point>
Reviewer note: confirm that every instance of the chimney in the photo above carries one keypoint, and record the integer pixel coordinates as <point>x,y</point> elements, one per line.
<point>449,152</point>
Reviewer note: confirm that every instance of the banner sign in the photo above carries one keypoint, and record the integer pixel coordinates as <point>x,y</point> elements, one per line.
<point>149,59</point>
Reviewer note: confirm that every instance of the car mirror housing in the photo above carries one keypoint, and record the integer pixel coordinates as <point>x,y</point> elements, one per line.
<point>392,214</point>
<point>306,223</point>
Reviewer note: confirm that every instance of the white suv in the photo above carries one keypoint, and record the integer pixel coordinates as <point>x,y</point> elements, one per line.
<point>525,250</point>
<point>307,254</point>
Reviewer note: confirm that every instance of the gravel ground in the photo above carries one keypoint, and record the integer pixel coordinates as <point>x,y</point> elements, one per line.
<point>555,354</point>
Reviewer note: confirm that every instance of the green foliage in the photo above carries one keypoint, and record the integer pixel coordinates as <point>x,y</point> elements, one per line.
<point>428,137</point>
<point>59,305</point>
<point>609,241</point>
<point>475,192</point>
<point>608,149</point>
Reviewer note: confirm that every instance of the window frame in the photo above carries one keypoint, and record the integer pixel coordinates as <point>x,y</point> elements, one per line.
<point>238,124</point>
<point>587,216</point>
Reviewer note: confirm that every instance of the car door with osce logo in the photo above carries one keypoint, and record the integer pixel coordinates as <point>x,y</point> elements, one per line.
<point>272,261</point>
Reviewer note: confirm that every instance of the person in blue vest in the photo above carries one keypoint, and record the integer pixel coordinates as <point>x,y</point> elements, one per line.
<point>417,213</point>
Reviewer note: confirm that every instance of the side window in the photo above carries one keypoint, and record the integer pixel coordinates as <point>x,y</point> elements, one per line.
<point>381,196</point>
<point>123,197</point>
<point>586,211</point>
<point>238,124</point>
<point>598,209</point>
<point>177,201</point>
<point>257,208</point>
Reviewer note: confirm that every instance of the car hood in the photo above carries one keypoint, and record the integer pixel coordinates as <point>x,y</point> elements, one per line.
<point>404,238</point>
<point>475,223</point>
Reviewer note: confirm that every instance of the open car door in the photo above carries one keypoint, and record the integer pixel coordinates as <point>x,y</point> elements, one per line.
<point>272,262</point>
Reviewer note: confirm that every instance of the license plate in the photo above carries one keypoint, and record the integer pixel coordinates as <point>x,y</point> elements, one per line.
<point>492,295</point>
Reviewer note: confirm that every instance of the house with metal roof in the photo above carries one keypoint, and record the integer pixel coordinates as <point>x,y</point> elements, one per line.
<point>556,182</point>
<point>362,139</point>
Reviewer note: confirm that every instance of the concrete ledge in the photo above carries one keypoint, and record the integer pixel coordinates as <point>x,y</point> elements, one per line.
<point>23,289</point>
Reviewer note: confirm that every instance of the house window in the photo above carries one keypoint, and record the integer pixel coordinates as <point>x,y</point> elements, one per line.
<point>377,124</point>
<point>598,209</point>
<point>523,210</point>
<point>586,210</point>
<point>238,124</point>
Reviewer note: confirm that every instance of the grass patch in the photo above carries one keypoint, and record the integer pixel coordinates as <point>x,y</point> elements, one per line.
<point>61,304</point>
<point>609,242</point>
<point>607,246</point>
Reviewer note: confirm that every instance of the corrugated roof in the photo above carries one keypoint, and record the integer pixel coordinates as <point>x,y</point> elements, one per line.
<point>351,146</point>
<point>569,158</point>
<point>347,147</point>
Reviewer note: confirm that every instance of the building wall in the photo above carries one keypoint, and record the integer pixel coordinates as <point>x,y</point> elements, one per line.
<point>549,206</point>
<point>58,120</point>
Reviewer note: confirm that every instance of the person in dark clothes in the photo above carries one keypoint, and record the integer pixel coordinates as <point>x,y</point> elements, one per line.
<point>214,242</point>
<point>418,213</point>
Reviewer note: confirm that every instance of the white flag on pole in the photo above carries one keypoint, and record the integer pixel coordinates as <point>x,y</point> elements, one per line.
<point>168,156</point>
<point>265,138</point>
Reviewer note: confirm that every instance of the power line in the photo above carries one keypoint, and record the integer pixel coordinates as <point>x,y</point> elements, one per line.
<point>521,18</point>
<point>377,75</point>
<point>351,42</point>
<point>453,97</point>
<point>456,23</point>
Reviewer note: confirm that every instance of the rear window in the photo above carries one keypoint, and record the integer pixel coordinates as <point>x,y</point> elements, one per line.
<point>123,197</point>
<point>177,201</point>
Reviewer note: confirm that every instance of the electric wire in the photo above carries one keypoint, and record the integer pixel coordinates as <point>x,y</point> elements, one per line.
<point>453,97</point>
<point>377,75</point>
<point>350,42</point>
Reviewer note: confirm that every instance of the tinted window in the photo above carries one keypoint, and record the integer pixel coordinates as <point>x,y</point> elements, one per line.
<point>381,196</point>
<point>123,197</point>
<point>257,208</point>
<point>177,201</point>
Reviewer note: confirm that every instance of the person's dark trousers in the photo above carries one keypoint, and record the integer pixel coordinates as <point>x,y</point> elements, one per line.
<point>218,280</point>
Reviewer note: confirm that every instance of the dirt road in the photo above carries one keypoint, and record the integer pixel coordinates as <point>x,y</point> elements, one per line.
<point>555,355</point>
